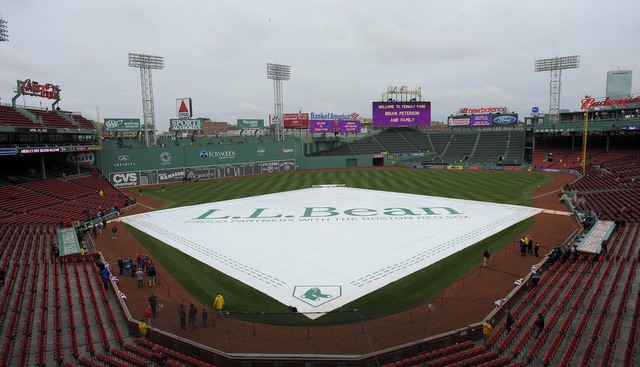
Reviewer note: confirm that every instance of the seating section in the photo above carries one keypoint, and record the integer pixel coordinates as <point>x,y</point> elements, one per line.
<point>59,313</point>
<point>610,189</point>
<point>9,116</point>
<point>53,200</point>
<point>53,119</point>
<point>479,147</point>
<point>83,122</point>
<point>573,296</point>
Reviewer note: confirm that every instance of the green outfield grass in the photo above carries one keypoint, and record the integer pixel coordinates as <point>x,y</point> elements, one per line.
<point>204,282</point>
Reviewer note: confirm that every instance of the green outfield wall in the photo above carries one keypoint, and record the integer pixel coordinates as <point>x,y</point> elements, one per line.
<point>127,167</point>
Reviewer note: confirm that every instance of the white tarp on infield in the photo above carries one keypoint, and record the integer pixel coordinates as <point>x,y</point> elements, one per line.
<point>321,248</point>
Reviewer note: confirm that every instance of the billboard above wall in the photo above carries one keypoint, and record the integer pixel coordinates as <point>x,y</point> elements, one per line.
<point>122,124</point>
<point>185,124</point>
<point>334,126</point>
<point>250,123</point>
<point>401,114</point>
<point>295,120</point>
<point>485,119</point>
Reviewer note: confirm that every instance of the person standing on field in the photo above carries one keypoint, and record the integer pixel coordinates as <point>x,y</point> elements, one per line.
<point>218,304</point>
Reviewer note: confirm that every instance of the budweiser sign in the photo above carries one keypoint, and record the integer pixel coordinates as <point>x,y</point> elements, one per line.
<point>33,88</point>
<point>467,110</point>
<point>591,102</point>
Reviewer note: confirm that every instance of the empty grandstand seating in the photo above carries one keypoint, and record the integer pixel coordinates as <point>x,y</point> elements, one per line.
<point>449,147</point>
<point>52,119</point>
<point>9,116</point>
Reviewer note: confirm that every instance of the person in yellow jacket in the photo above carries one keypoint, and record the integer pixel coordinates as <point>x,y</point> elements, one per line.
<point>486,330</point>
<point>143,327</point>
<point>218,303</point>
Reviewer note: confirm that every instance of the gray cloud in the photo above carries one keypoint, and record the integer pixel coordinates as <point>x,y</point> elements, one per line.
<point>343,54</point>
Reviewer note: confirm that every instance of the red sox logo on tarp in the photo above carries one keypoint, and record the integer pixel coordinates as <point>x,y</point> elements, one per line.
<point>317,295</point>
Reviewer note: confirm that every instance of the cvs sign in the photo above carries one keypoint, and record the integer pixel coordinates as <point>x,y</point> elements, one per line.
<point>124,179</point>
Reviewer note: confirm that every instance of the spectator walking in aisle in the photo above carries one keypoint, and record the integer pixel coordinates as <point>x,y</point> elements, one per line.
<point>3,274</point>
<point>510,321</point>
<point>486,330</point>
<point>539,324</point>
<point>535,279</point>
<point>183,317</point>
<point>142,326</point>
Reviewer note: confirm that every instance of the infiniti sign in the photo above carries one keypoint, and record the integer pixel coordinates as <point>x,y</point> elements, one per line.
<point>123,158</point>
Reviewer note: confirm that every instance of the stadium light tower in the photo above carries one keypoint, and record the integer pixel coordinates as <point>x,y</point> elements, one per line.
<point>146,63</point>
<point>555,66</point>
<point>4,35</point>
<point>278,73</point>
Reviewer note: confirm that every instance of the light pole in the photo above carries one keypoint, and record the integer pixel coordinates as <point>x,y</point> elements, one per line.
<point>278,73</point>
<point>584,138</point>
<point>146,63</point>
<point>555,66</point>
<point>4,35</point>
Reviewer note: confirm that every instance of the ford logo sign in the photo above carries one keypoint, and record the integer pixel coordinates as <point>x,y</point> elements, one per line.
<point>504,120</point>
<point>123,158</point>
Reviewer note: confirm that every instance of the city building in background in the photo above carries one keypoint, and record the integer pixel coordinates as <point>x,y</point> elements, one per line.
<point>212,128</point>
<point>619,83</point>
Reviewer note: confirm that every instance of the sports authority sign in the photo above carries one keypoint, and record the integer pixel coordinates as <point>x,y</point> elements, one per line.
<point>289,245</point>
<point>183,108</point>
<point>185,124</point>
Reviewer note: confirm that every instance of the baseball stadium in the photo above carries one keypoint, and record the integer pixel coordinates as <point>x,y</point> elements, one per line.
<point>333,240</point>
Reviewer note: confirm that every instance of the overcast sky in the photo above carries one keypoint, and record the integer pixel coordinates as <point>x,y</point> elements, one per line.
<point>343,54</point>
